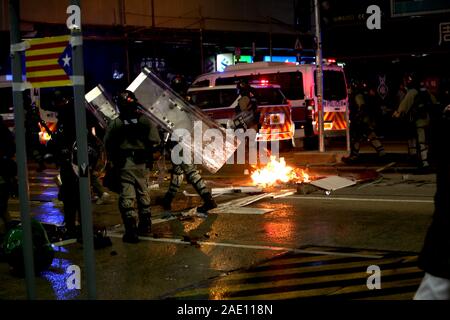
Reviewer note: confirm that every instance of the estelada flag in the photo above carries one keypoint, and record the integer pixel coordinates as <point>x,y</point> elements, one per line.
<point>48,62</point>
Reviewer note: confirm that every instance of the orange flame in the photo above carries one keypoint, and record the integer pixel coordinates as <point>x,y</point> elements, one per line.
<point>278,172</point>
<point>44,136</point>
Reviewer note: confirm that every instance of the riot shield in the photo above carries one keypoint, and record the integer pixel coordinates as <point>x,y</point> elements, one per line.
<point>101,106</point>
<point>205,140</point>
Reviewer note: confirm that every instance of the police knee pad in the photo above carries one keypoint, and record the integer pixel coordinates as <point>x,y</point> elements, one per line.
<point>126,204</point>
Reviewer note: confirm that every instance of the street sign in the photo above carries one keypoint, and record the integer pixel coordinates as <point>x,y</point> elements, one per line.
<point>444,32</point>
<point>403,8</point>
<point>48,62</point>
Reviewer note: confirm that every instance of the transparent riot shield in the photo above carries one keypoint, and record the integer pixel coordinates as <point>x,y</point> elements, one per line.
<point>204,140</point>
<point>101,106</point>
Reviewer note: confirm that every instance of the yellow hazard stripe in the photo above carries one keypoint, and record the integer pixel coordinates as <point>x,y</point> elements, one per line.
<point>31,53</point>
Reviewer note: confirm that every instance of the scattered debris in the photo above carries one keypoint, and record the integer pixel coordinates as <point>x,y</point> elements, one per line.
<point>332,183</point>
<point>385,167</point>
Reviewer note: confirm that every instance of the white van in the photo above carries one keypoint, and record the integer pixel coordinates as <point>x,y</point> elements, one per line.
<point>219,102</point>
<point>297,82</point>
<point>6,102</point>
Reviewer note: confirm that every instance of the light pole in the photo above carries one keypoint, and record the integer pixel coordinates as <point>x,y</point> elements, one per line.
<point>319,76</point>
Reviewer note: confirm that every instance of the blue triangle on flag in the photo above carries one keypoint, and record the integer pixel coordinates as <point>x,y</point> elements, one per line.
<point>65,60</point>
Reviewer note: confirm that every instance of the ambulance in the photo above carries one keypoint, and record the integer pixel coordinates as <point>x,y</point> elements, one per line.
<point>219,102</point>
<point>298,83</point>
<point>7,109</point>
<point>6,102</point>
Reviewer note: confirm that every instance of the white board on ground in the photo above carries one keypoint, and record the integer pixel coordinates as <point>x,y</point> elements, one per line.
<point>333,183</point>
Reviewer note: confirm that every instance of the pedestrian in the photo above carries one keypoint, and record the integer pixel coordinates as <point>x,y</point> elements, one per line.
<point>130,142</point>
<point>364,115</point>
<point>434,258</point>
<point>7,174</point>
<point>415,108</point>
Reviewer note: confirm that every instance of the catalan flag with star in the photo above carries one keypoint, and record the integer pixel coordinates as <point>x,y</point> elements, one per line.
<point>48,62</point>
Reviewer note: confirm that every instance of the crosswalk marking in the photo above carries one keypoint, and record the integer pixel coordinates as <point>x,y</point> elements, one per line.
<point>304,269</point>
<point>296,276</point>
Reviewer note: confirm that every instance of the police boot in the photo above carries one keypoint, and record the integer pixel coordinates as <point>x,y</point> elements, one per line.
<point>145,225</point>
<point>167,201</point>
<point>208,203</point>
<point>352,159</point>
<point>131,231</point>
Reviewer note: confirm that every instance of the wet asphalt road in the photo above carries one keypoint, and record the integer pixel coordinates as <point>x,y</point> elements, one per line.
<point>389,214</point>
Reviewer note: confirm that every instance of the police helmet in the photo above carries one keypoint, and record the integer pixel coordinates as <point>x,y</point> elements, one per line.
<point>243,87</point>
<point>60,99</point>
<point>127,102</point>
<point>179,84</point>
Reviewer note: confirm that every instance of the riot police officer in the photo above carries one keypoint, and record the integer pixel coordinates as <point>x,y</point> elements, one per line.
<point>194,178</point>
<point>246,111</point>
<point>130,141</point>
<point>415,109</point>
<point>191,172</point>
<point>363,120</point>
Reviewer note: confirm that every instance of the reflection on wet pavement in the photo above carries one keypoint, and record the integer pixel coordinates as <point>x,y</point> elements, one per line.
<point>47,212</point>
<point>57,277</point>
<point>44,190</point>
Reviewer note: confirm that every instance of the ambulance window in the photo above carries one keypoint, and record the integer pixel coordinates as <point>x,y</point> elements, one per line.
<point>6,104</point>
<point>269,96</point>
<point>201,84</point>
<point>291,83</point>
<point>212,99</point>
<point>333,85</point>
<point>234,80</point>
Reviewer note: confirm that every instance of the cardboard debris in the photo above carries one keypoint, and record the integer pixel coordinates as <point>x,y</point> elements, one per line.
<point>332,183</point>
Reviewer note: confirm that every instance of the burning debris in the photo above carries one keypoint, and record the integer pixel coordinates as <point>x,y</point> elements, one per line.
<point>276,172</point>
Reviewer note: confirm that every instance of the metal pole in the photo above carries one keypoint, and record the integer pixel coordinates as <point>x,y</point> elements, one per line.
<point>153,13</point>
<point>270,38</point>
<point>319,76</point>
<point>21,154</point>
<point>82,155</point>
